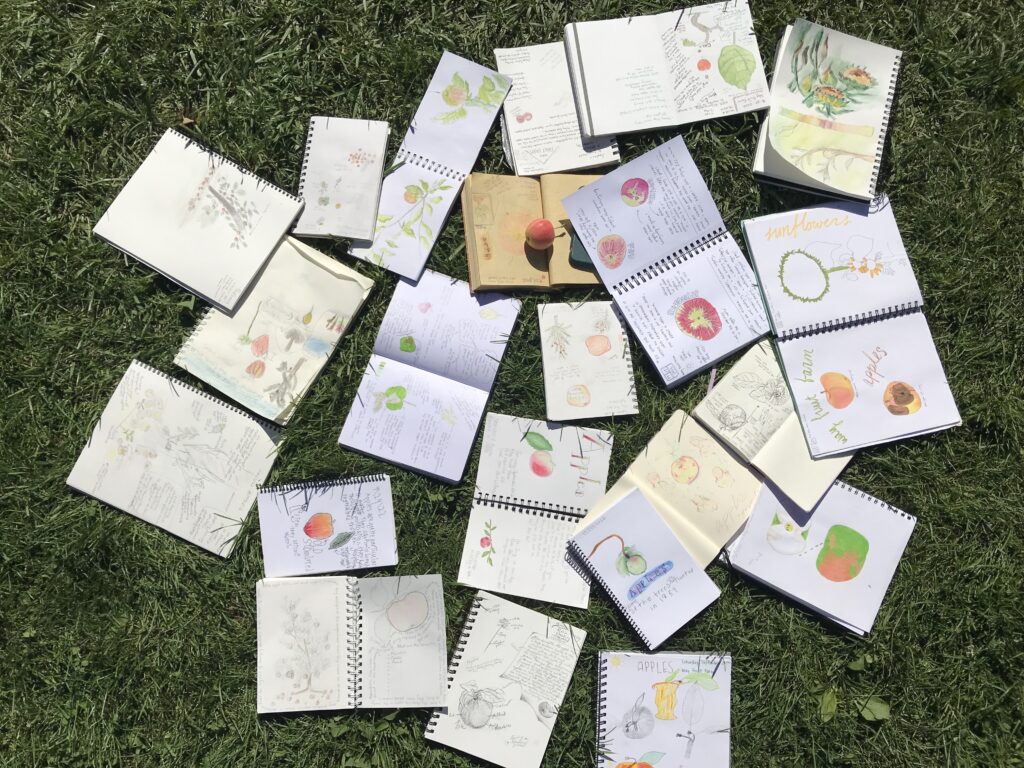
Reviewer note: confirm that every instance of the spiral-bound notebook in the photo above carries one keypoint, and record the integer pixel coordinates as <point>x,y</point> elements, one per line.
<point>665,710</point>
<point>337,642</point>
<point>535,481</point>
<point>660,246</point>
<point>831,100</point>
<point>341,177</point>
<point>509,672</point>
<point>177,458</point>
<point>643,568</point>
<point>437,153</point>
<point>199,219</point>
<point>588,369</point>
<point>837,560</point>
<point>324,526</point>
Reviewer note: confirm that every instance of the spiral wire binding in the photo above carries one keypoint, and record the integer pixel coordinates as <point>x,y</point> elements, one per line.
<point>874,500</point>
<point>354,652</point>
<point>583,562</point>
<point>324,483</point>
<point>457,652</point>
<point>192,337</point>
<point>601,710</point>
<point>627,355</point>
<point>664,264</point>
<point>408,156</point>
<point>851,321</point>
<point>883,129</point>
<point>305,158</point>
<point>531,507</point>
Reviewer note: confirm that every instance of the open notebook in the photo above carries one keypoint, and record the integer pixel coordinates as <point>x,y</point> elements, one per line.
<point>199,219</point>
<point>663,709</point>
<point>337,642</point>
<point>510,669</point>
<point>831,98</point>
<point>268,354</point>
<point>536,480</point>
<point>177,458</point>
<point>323,526</point>
<point>661,247</point>
<point>837,560</point>
<point>432,368</point>
<point>438,150</point>
<point>647,72</point>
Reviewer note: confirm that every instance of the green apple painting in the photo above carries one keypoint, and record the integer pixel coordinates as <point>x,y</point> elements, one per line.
<point>629,562</point>
<point>843,554</point>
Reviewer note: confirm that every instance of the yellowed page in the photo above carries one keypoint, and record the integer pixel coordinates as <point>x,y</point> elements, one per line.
<point>786,460</point>
<point>553,188</point>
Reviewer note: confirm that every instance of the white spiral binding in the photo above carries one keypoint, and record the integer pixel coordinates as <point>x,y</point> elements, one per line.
<point>324,483</point>
<point>850,321</point>
<point>407,156</point>
<point>530,506</point>
<point>873,499</point>
<point>666,263</point>
<point>580,563</point>
<point>301,188</point>
<point>209,313</point>
<point>457,652</point>
<point>354,652</point>
<point>883,129</point>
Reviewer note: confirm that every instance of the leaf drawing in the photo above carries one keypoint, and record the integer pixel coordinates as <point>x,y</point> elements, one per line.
<point>341,539</point>
<point>537,441</point>
<point>736,65</point>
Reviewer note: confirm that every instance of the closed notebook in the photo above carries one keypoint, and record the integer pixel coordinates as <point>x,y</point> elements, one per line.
<point>509,673</point>
<point>199,219</point>
<point>337,642</point>
<point>535,481</point>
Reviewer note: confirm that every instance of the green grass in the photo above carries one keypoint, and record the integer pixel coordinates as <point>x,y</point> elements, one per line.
<point>120,645</point>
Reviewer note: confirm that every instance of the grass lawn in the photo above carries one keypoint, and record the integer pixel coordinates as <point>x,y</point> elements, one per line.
<point>120,645</point>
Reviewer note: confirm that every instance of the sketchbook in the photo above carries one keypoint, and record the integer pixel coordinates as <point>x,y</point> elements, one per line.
<point>665,710</point>
<point>535,481</point>
<point>588,369</point>
<point>650,576</point>
<point>509,673</point>
<point>199,219</point>
<point>341,177</point>
<point>177,458</point>
<point>268,354</point>
<point>437,153</point>
<point>661,248</point>
<point>325,526</point>
<point>643,73</point>
<point>750,410</point>
<point>539,128</point>
<point>830,104</point>
<point>433,365</point>
<point>838,559</point>
<point>338,642</point>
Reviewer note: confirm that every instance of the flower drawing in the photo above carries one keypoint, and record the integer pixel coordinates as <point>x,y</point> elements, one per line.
<point>487,542</point>
<point>458,94</point>
<point>827,84</point>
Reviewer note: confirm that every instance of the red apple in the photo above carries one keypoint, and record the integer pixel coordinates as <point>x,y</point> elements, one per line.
<point>540,234</point>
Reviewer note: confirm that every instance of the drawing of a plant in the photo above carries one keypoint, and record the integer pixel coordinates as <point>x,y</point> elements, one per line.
<point>799,259</point>
<point>411,224</point>
<point>559,338</point>
<point>487,542</point>
<point>218,198</point>
<point>458,94</point>
<point>282,392</point>
<point>828,84</point>
<point>629,562</point>
<point>309,651</point>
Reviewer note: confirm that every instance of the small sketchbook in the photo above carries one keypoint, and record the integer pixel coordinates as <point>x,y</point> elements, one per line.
<point>438,151</point>
<point>268,354</point>
<point>199,219</point>
<point>643,73</point>
<point>588,369</point>
<point>540,131</point>
<point>830,104</point>
<point>177,458</point>
<point>751,411</point>
<point>326,526</point>
<point>535,481</point>
<point>338,642</point>
<point>700,489</point>
<point>665,710</point>
<point>661,248</point>
<point>649,575</point>
<point>341,177</point>
<point>837,560</point>
<point>433,365</point>
<point>510,670</point>
<point>496,210</point>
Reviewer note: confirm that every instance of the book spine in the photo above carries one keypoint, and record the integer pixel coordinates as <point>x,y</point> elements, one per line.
<point>324,483</point>
<point>850,321</point>
<point>671,261</point>
<point>460,648</point>
<point>601,711</point>
<point>531,507</point>
<point>300,190</point>
<point>179,359</point>
<point>354,651</point>
<point>406,156</point>
<point>582,561</point>
<point>883,128</point>
<point>874,500</point>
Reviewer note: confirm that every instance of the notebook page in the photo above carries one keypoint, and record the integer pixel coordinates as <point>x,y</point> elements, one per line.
<point>787,462</point>
<point>553,188</point>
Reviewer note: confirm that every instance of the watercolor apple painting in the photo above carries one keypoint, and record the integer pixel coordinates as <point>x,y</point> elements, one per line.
<point>542,463</point>
<point>611,251</point>
<point>843,554</point>
<point>698,318</point>
<point>635,192</point>
<point>838,389</point>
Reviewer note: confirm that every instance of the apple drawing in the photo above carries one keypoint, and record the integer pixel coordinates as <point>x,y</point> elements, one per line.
<point>698,318</point>
<point>598,345</point>
<point>541,464</point>
<point>408,612</point>
<point>611,251</point>
<point>685,470</point>
<point>838,389</point>
<point>843,554</point>
<point>635,192</point>
<point>578,396</point>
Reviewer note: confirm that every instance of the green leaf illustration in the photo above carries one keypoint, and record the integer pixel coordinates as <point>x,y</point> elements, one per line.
<point>671,677</point>
<point>407,344</point>
<point>426,187</point>
<point>452,117</point>
<point>703,679</point>
<point>384,218</point>
<point>537,441</point>
<point>873,709</point>
<point>407,230</point>
<point>341,539</point>
<point>651,757</point>
<point>458,81</point>
<point>688,42</point>
<point>827,705</point>
<point>736,65</point>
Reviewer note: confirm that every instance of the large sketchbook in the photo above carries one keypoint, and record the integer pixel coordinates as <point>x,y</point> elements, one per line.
<point>660,246</point>
<point>535,481</point>
<point>199,219</point>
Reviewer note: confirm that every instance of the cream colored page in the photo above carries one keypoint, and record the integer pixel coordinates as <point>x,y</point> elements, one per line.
<point>500,209</point>
<point>787,462</point>
<point>553,187</point>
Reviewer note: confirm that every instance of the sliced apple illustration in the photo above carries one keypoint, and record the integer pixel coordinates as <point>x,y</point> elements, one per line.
<point>611,251</point>
<point>685,469</point>
<point>635,192</point>
<point>901,399</point>
<point>698,318</point>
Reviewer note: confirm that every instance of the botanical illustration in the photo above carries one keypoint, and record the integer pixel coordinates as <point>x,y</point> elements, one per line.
<point>411,223</point>
<point>698,318</point>
<point>578,396</point>
<point>685,470</point>
<point>829,84</point>
<point>786,537</point>
<point>476,705</point>
<point>320,527</point>
<point>736,64</point>
<point>559,338</point>
<point>307,652</point>
<point>629,561</point>
<point>487,542</point>
<point>635,192</point>
<point>805,278</point>
<point>542,464</point>
<point>843,554</point>
<point>611,251</point>
<point>459,95</point>
<point>219,200</point>
<point>901,399</point>
<point>838,389</point>
<point>404,614</point>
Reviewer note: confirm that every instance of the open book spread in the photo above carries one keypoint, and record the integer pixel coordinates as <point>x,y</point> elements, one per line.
<point>838,559</point>
<point>437,153</point>
<point>432,368</point>
<point>649,575</point>
<point>535,481</point>
<point>588,370</point>
<point>337,642</point>
<point>341,177</point>
<point>509,673</point>
<point>540,130</point>
<point>751,411</point>
<point>660,246</point>
<point>831,97</point>
<point>177,458</point>
<point>648,72</point>
<point>702,492</point>
<point>204,222</point>
<point>328,525</point>
<point>267,355</point>
<point>663,709</point>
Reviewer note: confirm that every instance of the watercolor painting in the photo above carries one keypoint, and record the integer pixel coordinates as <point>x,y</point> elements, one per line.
<point>578,396</point>
<point>698,318</point>
<point>559,338</point>
<point>800,268</point>
<point>843,554</point>
<point>320,526</point>
<point>459,95</point>
<point>828,83</point>
<point>542,464</point>
<point>629,561</point>
<point>407,344</point>
<point>410,224</point>
<point>407,613</point>
<point>611,251</point>
<point>838,389</point>
<point>685,470</point>
<point>219,200</point>
<point>635,192</point>
<point>487,542</point>
<point>901,399</point>
<point>786,537</point>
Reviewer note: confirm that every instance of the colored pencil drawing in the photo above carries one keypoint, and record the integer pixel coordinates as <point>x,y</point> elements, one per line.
<point>542,464</point>
<point>559,338</point>
<point>637,721</point>
<point>768,390</point>
<point>785,536</point>
<point>578,396</point>
<point>838,389</point>
<point>487,542</point>
<point>634,192</point>
<point>459,94</point>
<point>843,554</point>
<point>612,250</point>
<point>804,277</point>
<point>697,318</point>
<point>308,652</point>
<point>629,561</point>
<point>901,399</point>
<point>411,223</point>
<point>218,199</point>
<point>828,83</point>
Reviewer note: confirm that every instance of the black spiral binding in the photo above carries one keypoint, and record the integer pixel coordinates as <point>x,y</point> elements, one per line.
<point>408,156</point>
<point>180,357</point>
<point>309,485</point>
<point>664,264</point>
<point>874,500</point>
<point>627,355</point>
<point>354,651</point>
<point>601,707</point>
<point>457,652</point>
<point>301,188</point>
<point>851,321</point>
<point>581,563</point>
<point>531,507</point>
<point>883,129</point>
